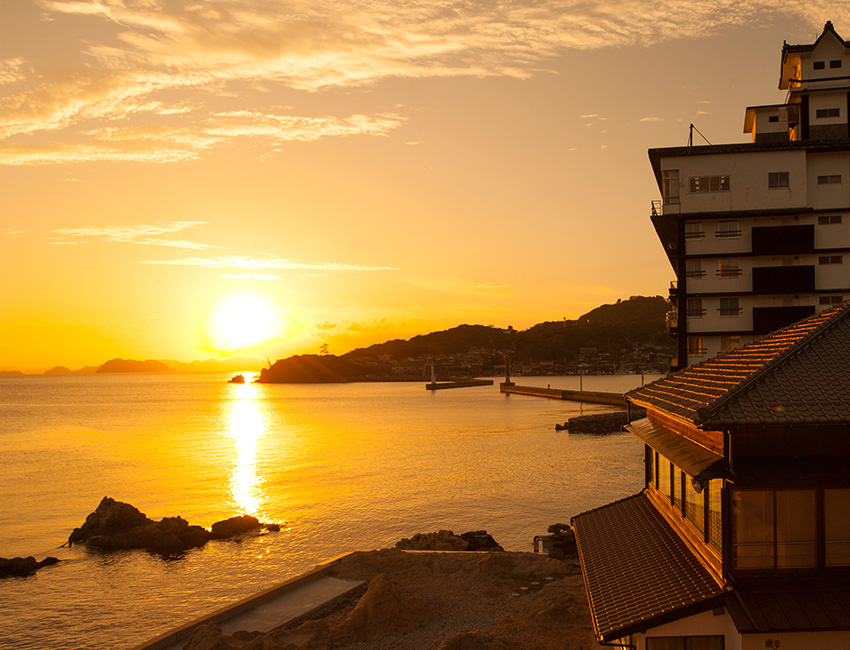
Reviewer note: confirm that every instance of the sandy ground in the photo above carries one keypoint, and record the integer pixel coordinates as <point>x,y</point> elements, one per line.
<point>437,601</point>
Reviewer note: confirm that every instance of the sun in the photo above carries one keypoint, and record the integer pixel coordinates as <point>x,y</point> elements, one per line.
<point>243,320</point>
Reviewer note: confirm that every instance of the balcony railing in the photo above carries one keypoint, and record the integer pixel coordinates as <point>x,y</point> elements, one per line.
<point>672,319</point>
<point>727,234</point>
<point>693,312</point>
<point>697,352</point>
<point>695,274</point>
<point>729,273</point>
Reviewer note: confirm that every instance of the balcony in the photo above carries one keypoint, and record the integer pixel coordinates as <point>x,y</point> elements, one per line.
<point>674,289</point>
<point>783,279</point>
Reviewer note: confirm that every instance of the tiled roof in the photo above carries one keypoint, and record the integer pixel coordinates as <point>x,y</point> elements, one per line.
<point>637,570</point>
<point>777,610</point>
<point>799,374</point>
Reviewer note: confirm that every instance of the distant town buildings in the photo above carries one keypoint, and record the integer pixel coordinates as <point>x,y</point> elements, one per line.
<point>758,233</point>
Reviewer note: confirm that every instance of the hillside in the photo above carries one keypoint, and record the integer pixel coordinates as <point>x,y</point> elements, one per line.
<point>604,339</point>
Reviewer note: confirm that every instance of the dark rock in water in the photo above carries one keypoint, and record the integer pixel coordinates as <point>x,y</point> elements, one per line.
<point>21,567</point>
<point>234,526</point>
<point>110,518</point>
<point>238,379</point>
<point>446,540</point>
<point>601,422</point>
<point>480,540</point>
<point>117,526</point>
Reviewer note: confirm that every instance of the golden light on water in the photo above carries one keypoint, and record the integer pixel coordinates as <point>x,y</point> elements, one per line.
<point>246,425</point>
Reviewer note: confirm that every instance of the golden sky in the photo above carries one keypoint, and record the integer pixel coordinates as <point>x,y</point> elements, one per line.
<point>190,179</point>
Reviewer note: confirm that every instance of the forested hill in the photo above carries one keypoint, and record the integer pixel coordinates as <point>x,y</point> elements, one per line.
<point>613,330</point>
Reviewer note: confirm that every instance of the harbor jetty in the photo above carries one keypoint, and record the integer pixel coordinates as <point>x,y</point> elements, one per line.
<point>460,383</point>
<point>593,397</point>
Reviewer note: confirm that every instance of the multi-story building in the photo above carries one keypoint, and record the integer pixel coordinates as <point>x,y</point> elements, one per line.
<point>740,539</point>
<point>758,233</point>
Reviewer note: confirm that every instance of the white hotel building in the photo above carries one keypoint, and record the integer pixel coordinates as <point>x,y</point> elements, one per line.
<point>758,233</point>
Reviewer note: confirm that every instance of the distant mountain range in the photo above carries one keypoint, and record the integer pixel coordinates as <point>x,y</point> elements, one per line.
<point>237,364</point>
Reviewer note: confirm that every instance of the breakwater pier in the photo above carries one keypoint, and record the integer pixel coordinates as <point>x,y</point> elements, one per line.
<point>593,397</point>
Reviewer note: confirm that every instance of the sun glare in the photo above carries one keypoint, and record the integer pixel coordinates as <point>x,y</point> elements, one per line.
<point>242,321</point>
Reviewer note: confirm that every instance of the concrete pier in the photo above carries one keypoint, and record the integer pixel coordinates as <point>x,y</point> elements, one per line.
<point>461,383</point>
<point>593,397</point>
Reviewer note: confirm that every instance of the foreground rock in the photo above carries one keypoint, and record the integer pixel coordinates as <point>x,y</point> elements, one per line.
<point>443,601</point>
<point>115,526</point>
<point>446,540</point>
<point>21,567</point>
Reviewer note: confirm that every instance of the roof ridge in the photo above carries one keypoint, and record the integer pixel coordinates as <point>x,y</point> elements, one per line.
<point>841,312</point>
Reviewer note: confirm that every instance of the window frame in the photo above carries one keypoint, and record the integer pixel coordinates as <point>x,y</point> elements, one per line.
<point>829,179</point>
<point>778,180</point>
<point>731,308</point>
<point>829,220</point>
<point>824,260</point>
<point>709,184</point>
<point>728,229</point>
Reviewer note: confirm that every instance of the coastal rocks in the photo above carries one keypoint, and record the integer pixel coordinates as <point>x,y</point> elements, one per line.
<point>21,567</point>
<point>237,379</point>
<point>115,526</point>
<point>600,422</point>
<point>446,540</point>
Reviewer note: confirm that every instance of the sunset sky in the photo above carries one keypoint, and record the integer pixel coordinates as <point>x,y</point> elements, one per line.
<point>192,179</point>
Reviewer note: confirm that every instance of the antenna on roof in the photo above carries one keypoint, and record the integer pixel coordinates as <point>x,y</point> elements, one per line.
<point>691,135</point>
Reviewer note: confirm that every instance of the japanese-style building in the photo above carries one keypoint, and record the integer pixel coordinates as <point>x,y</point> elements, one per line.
<point>740,538</point>
<point>758,232</point>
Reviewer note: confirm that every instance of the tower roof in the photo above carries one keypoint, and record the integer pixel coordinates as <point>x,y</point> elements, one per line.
<point>799,374</point>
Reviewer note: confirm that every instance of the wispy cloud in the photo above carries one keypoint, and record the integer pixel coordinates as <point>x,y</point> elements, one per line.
<point>146,234</point>
<point>147,77</point>
<point>652,118</point>
<point>16,232</point>
<point>248,276</point>
<point>268,262</point>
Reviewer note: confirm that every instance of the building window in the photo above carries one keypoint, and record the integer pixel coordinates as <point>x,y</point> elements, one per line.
<point>695,348</point>
<point>819,65</point>
<point>694,506</point>
<point>727,229</point>
<point>728,269</point>
<point>831,179</point>
<point>670,185</point>
<point>795,529</point>
<point>709,184</point>
<point>663,476</point>
<point>729,342</point>
<point>716,642</point>
<point>827,112</point>
<point>836,505</point>
<point>715,522</point>
<point>830,259</point>
<point>693,230</point>
<point>772,118</point>
<point>650,465</point>
<point>835,63</point>
<point>774,529</point>
<point>695,308</point>
<point>752,522</point>
<point>729,307</point>
<point>829,219</point>
<point>776,180</point>
<point>693,269</point>
<point>676,489</point>
<point>830,300</point>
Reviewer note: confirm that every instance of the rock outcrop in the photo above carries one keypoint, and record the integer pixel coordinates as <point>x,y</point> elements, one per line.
<point>115,525</point>
<point>600,422</point>
<point>21,567</point>
<point>446,540</point>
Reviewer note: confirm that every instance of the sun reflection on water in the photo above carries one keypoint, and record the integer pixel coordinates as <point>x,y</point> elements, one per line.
<point>246,425</point>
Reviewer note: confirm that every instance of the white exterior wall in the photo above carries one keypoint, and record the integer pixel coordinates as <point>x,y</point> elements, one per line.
<point>834,235</point>
<point>704,624</point>
<point>827,197</point>
<point>747,174</point>
<point>708,624</point>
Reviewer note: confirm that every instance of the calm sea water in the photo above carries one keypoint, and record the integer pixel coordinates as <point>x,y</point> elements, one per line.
<point>341,467</point>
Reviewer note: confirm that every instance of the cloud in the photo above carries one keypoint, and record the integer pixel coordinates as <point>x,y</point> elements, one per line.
<point>269,262</point>
<point>147,234</point>
<point>248,276</point>
<point>16,232</point>
<point>142,79</point>
<point>652,118</point>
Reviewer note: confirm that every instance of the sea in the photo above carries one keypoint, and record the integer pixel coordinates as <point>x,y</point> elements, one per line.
<point>340,467</point>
